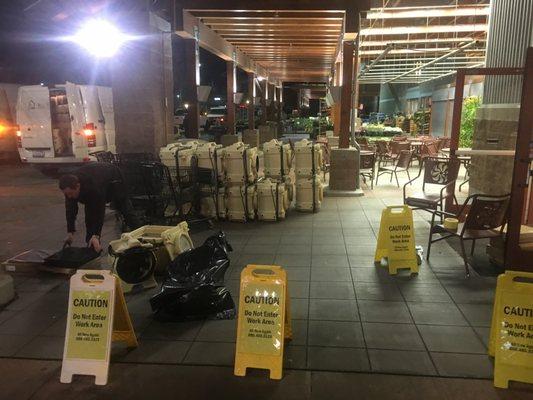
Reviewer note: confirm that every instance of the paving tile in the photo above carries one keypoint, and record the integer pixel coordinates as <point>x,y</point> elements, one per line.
<point>299,289</point>
<point>483,333</point>
<point>303,239</point>
<point>431,292</point>
<point>392,336</point>
<point>437,314</point>
<point>218,331</point>
<point>172,330</point>
<point>156,351</point>
<point>293,260</point>
<point>11,344</point>
<point>329,249</point>
<point>319,274</point>
<point>43,347</point>
<point>206,353</point>
<point>325,240</point>
<point>299,308</point>
<point>298,273</point>
<point>451,339</point>
<point>361,261</point>
<point>258,259</point>
<point>294,357</point>
<point>477,314</point>
<point>41,283</point>
<point>28,323</point>
<point>377,291</point>
<point>299,332</point>
<point>260,249</point>
<point>384,311</point>
<point>463,365</point>
<point>372,275</point>
<point>332,290</point>
<point>294,249</point>
<point>337,359</point>
<point>6,314</point>
<point>401,362</point>
<point>24,300</point>
<point>263,240</point>
<point>360,250</point>
<point>335,334</point>
<point>331,261</point>
<point>333,310</point>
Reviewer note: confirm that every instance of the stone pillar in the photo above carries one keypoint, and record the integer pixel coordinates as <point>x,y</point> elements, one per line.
<point>279,104</point>
<point>264,94</point>
<point>191,80</point>
<point>231,85</point>
<point>346,94</point>
<point>344,173</point>
<point>251,100</point>
<point>142,83</point>
<point>510,34</point>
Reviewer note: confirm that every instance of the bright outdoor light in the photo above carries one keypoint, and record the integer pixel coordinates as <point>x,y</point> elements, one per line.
<point>100,38</point>
<point>186,105</point>
<point>217,99</point>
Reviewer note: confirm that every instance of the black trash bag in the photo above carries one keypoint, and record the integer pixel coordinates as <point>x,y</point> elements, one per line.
<point>204,301</point>
<point>71,257</point>
<point>193,286</point>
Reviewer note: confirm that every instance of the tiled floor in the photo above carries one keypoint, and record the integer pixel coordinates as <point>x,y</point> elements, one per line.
<point>348,314</point>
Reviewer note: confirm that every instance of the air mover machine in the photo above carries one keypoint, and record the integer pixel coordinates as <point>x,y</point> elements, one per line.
<point>139,255</point>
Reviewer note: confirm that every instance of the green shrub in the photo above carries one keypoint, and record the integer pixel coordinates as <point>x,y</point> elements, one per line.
<point>468,120</point>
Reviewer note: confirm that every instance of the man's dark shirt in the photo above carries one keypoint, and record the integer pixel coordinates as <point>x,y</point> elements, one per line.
<point>95,191</point>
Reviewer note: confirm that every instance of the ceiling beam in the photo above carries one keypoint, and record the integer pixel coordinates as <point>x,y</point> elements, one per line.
<point>210,40</point>
<point>405,30</point>
<point>435,61</point>
<point>428,12</point>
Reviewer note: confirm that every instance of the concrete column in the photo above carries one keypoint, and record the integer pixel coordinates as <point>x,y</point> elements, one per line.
<point>264,94</point>
<point>348,49</point>
<point>279,103</point>
<point>251,99</point>
<point>191,80</point>
<point>142,84</point>
<point>231,85</point>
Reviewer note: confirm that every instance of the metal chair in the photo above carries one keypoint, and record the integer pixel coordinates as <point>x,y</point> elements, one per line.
<point>367,167</point>
<point>440,173</point>
<point>481,220</point>
<point>402,165</point>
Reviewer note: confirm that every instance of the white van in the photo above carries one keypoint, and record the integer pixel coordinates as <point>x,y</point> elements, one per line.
<point>64,123</point>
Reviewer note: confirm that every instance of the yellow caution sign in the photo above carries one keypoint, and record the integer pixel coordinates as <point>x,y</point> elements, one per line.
<point>396,240</point>
<point>264,320</point>
<point>97,315</point>
<point>511,337</point>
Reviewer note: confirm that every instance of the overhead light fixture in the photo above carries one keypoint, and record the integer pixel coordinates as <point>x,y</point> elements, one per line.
<point>186,105</point>
<point>217,99</point>
<point>100,38</point>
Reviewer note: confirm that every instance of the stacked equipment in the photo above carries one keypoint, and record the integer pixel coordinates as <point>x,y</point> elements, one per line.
<point>309,163</point>
<point>240,163</point>
<point>275,192</point>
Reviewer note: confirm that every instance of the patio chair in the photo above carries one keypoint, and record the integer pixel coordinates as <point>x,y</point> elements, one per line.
<point>397,147</point>
<point>383,151</point>
<point>483,217</point>
<point>402,165</point>
<point>440,173</point>
<point>428,149</point>
<point>367,167</point>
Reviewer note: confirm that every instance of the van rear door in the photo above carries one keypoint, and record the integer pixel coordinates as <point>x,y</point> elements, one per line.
<point>93,117</point>
<point>105,94</point>
<point>77,116</point>
<point>33,117</point>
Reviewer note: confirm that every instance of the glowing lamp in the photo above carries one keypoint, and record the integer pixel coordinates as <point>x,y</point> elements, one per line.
<point>100,38</point>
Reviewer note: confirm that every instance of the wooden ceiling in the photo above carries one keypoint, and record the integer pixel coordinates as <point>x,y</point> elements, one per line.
<point>291,45</point>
